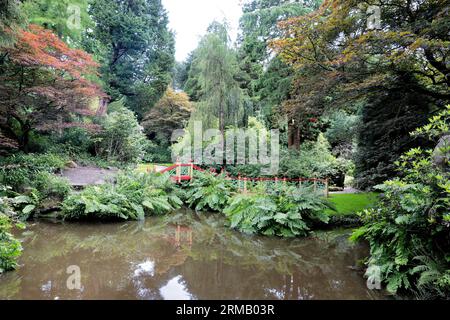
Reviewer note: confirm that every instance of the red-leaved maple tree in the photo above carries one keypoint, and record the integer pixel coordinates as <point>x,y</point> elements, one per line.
<point>44,85</point>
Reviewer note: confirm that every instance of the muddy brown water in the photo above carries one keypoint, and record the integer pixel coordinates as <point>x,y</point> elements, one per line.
<point>182,256</point>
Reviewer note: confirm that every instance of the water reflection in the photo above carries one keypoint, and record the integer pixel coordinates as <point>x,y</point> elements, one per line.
<point>175,289</point>
<point>184,256</point>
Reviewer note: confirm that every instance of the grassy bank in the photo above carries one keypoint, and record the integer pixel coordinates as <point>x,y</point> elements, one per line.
<point>350,204</point>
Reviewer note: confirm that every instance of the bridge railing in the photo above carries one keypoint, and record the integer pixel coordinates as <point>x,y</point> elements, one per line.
<point>269,184</point>
<point>185,172</point>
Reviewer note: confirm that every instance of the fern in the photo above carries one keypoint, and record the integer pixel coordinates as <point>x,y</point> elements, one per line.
<point>134,196</point>
<point>290,215</point>
<point>208,193</point>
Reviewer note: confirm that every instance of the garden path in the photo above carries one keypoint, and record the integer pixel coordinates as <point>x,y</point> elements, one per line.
<point>84,176</point>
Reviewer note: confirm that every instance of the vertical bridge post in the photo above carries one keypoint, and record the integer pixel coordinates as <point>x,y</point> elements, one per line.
<point>178,171</point>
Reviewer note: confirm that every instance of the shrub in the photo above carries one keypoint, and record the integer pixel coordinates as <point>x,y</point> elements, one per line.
<point>314,160</point>
<point>51,186</point>
<point>32,181</point>
<point>134,196</point>
<point>19,171</point>
<point>157,153</point>
<point>10,248</point>
<point>122,137</point>
<point>286,213</point>
<point>208,192</point>
<point>409,229</point>
<point>76,139</point>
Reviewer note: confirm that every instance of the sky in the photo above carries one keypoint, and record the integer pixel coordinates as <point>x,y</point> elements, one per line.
<point>189,19</point>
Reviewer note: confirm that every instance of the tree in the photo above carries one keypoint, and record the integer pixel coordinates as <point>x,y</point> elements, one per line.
<point>121,137</point>
<point>213,71</point>
<point>136,49</point>
<point>171,112</point>
<point>398,70</point>
<point>68,19</point>
<point>44,85</point>
<point>260,70</point>
<point>181,72</point>
<point>272,88</point>
<point>191,84</point>
<point>10,19</point>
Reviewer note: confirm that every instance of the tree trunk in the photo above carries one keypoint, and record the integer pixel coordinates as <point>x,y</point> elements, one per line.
<point>25,138</point>
<point>294,136</point>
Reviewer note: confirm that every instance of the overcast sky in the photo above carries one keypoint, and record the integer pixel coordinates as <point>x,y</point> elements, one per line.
<point>190,19</point>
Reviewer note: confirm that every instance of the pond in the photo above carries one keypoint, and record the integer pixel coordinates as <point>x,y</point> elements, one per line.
<point>183,256</point>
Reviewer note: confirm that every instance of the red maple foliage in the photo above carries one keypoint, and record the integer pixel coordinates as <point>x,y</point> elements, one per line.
<point>44,85</point>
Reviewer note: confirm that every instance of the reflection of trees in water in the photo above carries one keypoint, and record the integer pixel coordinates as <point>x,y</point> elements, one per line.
<point>232,265</point>
<point>137,259</point>
<point>108,255</point>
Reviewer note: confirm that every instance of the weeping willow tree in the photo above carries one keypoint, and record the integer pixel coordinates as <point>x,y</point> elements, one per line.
<point>212,76</point>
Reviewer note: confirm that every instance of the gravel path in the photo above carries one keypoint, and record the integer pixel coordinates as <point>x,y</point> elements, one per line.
<point>84,176</point>
<point>346,191</point>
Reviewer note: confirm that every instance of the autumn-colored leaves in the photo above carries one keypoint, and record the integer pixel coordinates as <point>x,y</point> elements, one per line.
<point>44,83</point>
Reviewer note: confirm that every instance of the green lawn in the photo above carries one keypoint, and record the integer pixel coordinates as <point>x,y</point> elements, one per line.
<point>348,204</point>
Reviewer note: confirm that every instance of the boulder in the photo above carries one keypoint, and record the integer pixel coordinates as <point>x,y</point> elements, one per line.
<point>441,153</point>
<point>71,164</point>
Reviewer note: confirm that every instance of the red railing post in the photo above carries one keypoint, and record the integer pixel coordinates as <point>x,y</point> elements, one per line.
<point>178,170</point>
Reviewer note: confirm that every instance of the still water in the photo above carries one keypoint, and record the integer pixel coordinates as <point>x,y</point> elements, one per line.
<point>183,256</point>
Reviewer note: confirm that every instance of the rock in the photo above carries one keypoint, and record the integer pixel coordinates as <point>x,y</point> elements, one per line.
<point>71,164</point>
<point>441,153</point>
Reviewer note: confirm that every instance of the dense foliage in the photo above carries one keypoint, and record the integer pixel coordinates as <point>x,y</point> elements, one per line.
<point>32,182</point>
<point>10,248</point>
<point>208,192</point>
<point>61,17</point>
<point>172,112</point>
<point>315,160</point>
<point>136,49</point>
<point>408,230</point>
<point>122,137</point>
<point>10,19</point>
<point>287,213</point>
<point>266,81</point>
<point>392,74</point>
<point>220,100</point>
<point>134,196</point>
<point>44,86</point>
<point>20,170</point>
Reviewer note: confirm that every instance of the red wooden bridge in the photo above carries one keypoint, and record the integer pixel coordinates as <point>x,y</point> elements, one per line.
<point>186,172</point>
